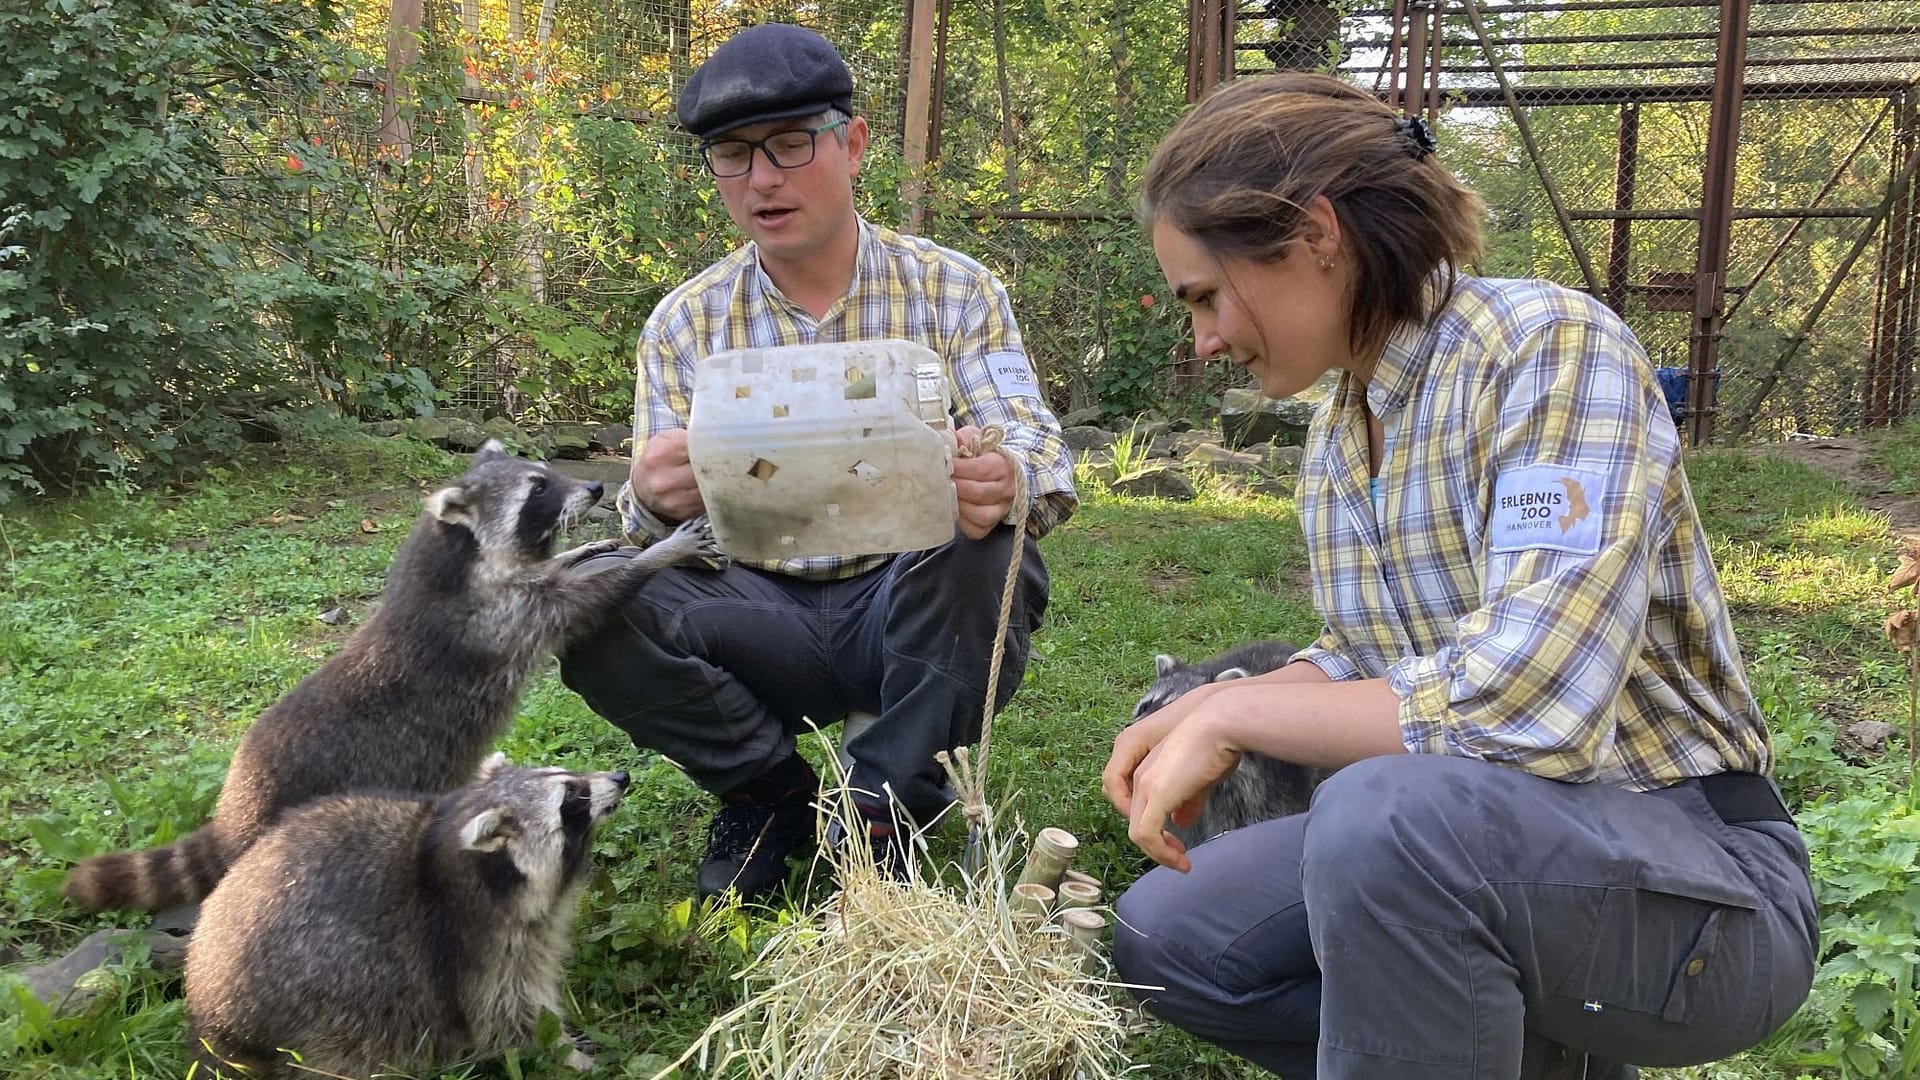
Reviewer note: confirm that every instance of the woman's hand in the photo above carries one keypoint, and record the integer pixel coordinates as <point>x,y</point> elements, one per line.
<point>1173,781</point>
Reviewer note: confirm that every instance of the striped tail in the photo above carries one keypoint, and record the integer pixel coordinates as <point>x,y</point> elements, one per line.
<point>151,880</point>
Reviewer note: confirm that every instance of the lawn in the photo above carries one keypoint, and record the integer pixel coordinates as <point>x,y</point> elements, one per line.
<point>141,633</point>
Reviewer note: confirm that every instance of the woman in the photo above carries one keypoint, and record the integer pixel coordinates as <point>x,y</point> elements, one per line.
<point>1552,826</point>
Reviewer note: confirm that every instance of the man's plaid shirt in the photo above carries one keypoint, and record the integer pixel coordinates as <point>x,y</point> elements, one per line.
<point>1532,581</point>
<point>903,287</point>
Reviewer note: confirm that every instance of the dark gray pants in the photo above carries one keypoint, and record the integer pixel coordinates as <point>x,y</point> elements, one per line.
<point>717,669</point>
<point>1447,919</point>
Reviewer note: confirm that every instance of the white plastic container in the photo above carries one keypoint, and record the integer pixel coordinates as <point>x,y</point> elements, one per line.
<point>831,449</point>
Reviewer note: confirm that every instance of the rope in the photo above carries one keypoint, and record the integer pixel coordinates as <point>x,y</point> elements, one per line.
<point>969,771</point>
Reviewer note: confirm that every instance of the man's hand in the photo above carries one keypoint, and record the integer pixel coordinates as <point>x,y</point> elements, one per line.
<point>663,477</point>
<point>983,485</point>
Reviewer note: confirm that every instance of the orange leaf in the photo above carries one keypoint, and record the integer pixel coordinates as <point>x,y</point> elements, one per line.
<point>367,526</point>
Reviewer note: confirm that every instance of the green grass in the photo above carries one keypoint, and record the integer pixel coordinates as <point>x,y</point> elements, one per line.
<point>141,634</point>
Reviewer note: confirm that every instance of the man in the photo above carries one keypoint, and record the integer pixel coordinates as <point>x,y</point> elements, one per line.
<point>720,670</point>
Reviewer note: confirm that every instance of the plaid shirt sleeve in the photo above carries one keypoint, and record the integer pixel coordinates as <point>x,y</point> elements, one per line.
<point>1534,675</point>
<point>987,336</point>
<point>662,398</point>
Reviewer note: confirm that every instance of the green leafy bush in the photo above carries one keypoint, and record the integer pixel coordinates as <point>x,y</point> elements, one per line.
<point>118,335</point>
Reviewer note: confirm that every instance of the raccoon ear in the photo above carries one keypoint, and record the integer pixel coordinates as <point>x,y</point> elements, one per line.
<point>1232,673</point>
<point>492,448</point>
<point>1164,663</point>
<point>449,504</point>
<point>494,763</point>
<point>488,830</point>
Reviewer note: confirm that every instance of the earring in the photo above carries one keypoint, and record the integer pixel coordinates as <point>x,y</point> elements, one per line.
<point>1326,262</point>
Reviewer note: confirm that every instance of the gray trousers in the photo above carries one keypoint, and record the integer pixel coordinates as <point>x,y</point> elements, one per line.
<point>719,670</point>
<point>1447,919</point>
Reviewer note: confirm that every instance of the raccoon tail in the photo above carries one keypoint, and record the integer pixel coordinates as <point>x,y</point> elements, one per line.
<point>152,880</point>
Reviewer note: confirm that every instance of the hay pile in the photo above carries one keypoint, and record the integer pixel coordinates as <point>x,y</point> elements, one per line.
<point>915,981</point>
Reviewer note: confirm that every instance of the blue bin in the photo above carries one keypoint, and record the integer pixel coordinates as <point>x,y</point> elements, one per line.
<point>1673,386</point>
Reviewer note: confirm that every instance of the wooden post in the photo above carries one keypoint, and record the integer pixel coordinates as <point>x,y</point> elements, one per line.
<point>403,52</point>
<point>913,140</point>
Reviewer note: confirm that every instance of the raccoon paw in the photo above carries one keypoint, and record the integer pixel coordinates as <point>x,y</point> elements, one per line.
<point>574,556</point>
<point>694,539</point>
<point>580,1055</point>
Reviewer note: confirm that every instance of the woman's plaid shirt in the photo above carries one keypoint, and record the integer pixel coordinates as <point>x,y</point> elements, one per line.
<point>1533,581</point>
<point>903,287</point>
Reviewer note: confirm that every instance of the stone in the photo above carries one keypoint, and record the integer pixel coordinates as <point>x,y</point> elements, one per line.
<point>1078,417</point>
<point>1284,459</point>
<point>569,441</point>
<point>70,984</point>
<point>507,432</point>
<point>612,439</point>
<point>1085,437</point>
<point>1865,738</point>
<point>429,429</point>
<point>464,436</point>
<point>1247,419</point>
<point>1156,481</point>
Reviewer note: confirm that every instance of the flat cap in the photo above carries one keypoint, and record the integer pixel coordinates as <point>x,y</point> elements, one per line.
<point>769,72</point>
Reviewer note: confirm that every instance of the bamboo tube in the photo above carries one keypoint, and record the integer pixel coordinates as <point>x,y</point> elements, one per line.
<point>1085,929</point>
<point>1052,850</point>
<point>1031,903</point>
<point>1077,894</point>
<point>1084,878</point>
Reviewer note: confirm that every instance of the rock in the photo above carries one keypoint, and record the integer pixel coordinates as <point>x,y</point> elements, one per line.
<point>1182,442</point>
<point>463,435</point>
<point>1867,738</point>
<point>333,616</point>
<point>1283,459</point>
<point>429,429</point>
<point>1096,466</point>
<point>1086,437</point>
<point>1145,430</point>
<point>71,983</point>
<point>507,432</point>
<point>1246,418</point>
<point>1079,417</point>
<point>1162,447</point>
<point>569,441</point>
<point>1279,487</point>
<point>1157,481</point>
<point>385,429</point>
<point>612,439</point>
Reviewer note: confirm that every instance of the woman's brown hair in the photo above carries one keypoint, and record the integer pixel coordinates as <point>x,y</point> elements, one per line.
<point>1237,172</point>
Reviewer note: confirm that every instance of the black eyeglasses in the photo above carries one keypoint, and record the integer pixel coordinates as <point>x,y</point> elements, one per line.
<point>786,149</point>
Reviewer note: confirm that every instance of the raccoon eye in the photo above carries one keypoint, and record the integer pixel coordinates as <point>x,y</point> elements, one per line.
<point>539,485</point>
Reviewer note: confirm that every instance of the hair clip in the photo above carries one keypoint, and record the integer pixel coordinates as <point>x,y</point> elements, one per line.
<point>1419,135</point>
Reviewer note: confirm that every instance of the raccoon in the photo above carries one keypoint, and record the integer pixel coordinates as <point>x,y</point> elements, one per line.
<point>1260,788</point>
<point>413,701</point>
<point>375,931</point>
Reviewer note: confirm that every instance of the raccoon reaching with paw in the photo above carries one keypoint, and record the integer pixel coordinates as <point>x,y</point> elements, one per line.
<point>1260,788</point>
<point>475,599</point>
<point>369,932</point>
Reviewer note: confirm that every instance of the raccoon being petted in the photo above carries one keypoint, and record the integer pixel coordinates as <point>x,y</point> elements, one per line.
<point>475,598</point>
<point>1260,788</point>
<point>369,932</point>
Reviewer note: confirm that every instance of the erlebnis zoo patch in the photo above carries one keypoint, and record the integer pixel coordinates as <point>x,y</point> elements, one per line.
<point>1547,506</point>
<point>1012,375</point>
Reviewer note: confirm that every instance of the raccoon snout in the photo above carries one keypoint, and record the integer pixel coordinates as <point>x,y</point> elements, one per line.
<point>620,779</point>
<point>594,488</point>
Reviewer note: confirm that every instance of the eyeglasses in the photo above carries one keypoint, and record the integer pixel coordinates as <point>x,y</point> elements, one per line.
<point>786,149</point>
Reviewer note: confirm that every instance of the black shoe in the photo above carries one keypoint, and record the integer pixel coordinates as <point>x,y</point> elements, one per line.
<point>888,848</point>
<point>748,845</point>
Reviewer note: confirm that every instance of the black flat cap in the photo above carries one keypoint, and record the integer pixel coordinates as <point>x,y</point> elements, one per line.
<point>768,72</point>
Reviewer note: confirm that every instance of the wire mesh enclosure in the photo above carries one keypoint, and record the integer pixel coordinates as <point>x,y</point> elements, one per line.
<point>1733,178</point>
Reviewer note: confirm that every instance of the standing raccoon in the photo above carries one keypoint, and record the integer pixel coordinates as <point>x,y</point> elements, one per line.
<point>374,931</point>
<point>1260,788</point>
<point>413,701</point>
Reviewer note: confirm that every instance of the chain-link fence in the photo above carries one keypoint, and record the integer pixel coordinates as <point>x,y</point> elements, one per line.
<point>1588,124</point>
